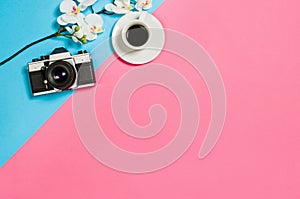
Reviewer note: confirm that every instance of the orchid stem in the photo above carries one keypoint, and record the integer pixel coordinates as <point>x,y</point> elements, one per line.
<point>92,9</point>
<point>64,35</point>
<point>103,11</point>
<point>61,29</point>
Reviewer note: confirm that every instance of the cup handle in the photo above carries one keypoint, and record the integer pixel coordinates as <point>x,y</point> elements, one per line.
<point>142,16</point>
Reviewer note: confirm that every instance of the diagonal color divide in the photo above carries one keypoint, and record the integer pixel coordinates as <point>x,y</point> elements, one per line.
<point>21,114</point>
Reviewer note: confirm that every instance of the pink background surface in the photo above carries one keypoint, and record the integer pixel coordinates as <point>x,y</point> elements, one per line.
<point>256,47</point>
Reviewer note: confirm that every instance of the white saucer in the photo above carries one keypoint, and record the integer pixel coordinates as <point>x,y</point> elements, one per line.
<point>156,42</point>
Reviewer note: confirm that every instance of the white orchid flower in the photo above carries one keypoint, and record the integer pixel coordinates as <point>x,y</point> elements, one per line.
<point>85,3</point>
<point>71,12</point>
<point>119,7</point>
<point>91,26</point>
<point>77,33</point>
<point>143,5</point>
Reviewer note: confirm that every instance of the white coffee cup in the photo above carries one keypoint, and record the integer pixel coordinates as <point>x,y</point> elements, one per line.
<point>136,33</point>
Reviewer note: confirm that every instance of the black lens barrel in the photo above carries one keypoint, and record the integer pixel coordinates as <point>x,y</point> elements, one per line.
<point>61,75</point>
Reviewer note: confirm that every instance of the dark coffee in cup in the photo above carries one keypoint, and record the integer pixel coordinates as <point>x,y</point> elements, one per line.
<point>137,35</point>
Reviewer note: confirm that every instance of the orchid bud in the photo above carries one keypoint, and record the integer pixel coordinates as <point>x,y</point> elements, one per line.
<point>83,40</point>
<point>77,28</point>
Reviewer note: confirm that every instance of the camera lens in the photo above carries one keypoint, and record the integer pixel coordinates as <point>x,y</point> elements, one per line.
<point>61,75</point>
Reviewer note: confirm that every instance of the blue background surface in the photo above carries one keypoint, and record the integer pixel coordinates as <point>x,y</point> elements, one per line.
<point>22,22</point>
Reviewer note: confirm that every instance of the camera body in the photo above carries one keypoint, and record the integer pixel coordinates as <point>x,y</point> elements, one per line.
<point>61,71</point>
